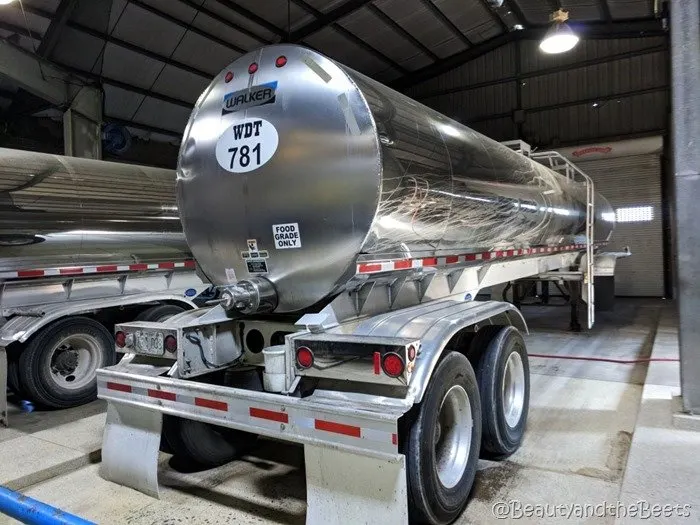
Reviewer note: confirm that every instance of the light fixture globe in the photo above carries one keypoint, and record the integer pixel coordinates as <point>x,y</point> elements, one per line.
<point>559,39</point>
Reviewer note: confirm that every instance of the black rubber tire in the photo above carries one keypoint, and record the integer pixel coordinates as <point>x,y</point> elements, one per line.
<point>159,312</point>
<point>34,367</point>
<point>494,345</point>
<point>428,499</point>
<point>201,445</point>
<point>13,380</point>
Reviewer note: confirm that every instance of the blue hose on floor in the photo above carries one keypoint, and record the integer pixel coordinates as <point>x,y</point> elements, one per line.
<point>33,512</point>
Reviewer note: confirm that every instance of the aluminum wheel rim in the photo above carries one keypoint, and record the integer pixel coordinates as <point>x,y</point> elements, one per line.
<point>513,390</point>
<point>453,436</point>
<point>74,361</point>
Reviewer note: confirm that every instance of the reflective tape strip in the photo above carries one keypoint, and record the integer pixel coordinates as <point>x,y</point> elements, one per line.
<point>306,422</point>
<point>105,268</point>
<point>405,264</point>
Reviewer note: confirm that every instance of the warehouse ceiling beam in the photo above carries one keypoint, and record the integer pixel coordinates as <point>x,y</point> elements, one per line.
<point>494,16</point>
<point>245,13</point>
<point>600,100</point>
<point>605,11</point>
<point>546,71</point>
<point>594,30</point>
<point>514,7</point>
<point>98,79</point>
<point>124,44</point>
<point>433,9</point>
<point>58,22</point>
<point>225,21</point>
<point>80,102</point>
<point>329,18</point>
<point>401,31</point>
<point>188,27</point>
<point>145,127</point>
<point>354,38</point>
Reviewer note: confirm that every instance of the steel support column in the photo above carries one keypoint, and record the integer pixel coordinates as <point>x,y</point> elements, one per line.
<point>685,75</point>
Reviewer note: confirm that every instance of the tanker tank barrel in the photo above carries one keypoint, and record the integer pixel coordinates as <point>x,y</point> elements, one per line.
<point>293,176</point>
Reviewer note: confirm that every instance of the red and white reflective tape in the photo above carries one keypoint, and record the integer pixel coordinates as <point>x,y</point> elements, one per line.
<point>105,268</point>
<point>293,420</point>
<point>426,262</point>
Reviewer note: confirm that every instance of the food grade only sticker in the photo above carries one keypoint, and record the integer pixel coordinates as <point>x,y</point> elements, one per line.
<point>286,236</point>
<point>246,145</point>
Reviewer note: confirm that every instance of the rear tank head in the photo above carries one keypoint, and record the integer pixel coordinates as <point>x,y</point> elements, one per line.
<point>279,179</point>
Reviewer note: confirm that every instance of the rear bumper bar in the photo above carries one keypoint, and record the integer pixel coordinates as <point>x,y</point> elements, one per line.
<point>367,430</point>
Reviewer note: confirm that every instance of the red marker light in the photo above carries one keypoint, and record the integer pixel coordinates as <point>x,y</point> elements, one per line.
<point>281,61</point>
<point>252,68</point>
<point>393,365</point>
<point>120,339</point>
<point>170,343</point>
<point>305,357</point>
<point>229,77</point>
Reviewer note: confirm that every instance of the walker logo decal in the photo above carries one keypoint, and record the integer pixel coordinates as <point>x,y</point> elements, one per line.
<point>249,97</point>
<point>592,149</point>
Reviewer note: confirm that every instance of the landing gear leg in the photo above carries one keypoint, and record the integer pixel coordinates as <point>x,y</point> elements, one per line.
<point>574,288</point>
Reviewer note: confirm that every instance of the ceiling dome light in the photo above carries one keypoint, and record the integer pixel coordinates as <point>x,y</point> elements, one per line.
<point>559,38</point>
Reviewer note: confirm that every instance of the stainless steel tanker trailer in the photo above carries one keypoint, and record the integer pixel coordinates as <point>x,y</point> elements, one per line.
<point>348,230</point>
<point>83,244</point>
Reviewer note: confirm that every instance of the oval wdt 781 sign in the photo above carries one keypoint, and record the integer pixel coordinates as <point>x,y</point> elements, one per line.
<point>246,145</point>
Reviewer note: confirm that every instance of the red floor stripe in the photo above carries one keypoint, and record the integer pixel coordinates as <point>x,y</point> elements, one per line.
<point>280,417</point>
<point>161,394</point>
<point>338,428</point>
<point>210,403</point>
<point>107,268</point>
<point>190,264</point>
<point>166,265</point>
<point>138,267</point>
<point>402,265</point>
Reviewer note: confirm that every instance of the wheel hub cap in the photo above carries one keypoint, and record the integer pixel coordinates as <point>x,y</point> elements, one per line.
<point>513,390</point>
<point>453,436</point>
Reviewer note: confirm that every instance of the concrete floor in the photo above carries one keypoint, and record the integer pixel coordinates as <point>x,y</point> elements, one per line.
<point>576,451</point>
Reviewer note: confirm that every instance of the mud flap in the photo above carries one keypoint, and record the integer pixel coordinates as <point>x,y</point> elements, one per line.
<point>342,488</point>
<point>3,388</point>
<point>130,447</point>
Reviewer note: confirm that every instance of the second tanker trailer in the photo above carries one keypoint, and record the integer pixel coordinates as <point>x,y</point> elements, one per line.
<point>349,230</point>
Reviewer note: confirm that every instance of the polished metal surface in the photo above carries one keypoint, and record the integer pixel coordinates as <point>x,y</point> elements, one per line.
<point>513,389</point>
<point>355,171</point>
<point>65,211</point>
<point>453,436</point>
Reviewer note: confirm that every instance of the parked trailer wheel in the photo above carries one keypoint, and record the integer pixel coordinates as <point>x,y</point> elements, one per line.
<point>13,374</point>
<point>503,373</point>
<point>57,368</point>
<point>442,445</point>
<point>159,313</point>
<point>201,445</point>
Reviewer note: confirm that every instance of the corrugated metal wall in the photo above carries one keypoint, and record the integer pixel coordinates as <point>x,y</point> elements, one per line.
<point>602,89</point>
<point>628,183</point>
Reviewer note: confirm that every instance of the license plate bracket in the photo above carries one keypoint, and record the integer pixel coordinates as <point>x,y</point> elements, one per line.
<point>150,342</point>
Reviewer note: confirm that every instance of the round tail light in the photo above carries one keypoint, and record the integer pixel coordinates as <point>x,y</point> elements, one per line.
<point>120,339</point>
<point>305,357</point>
<point>393,365</point>
<point>170,343</point>
<point>281,61</point>
<point>252,68</point>
<point>229,77</point>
